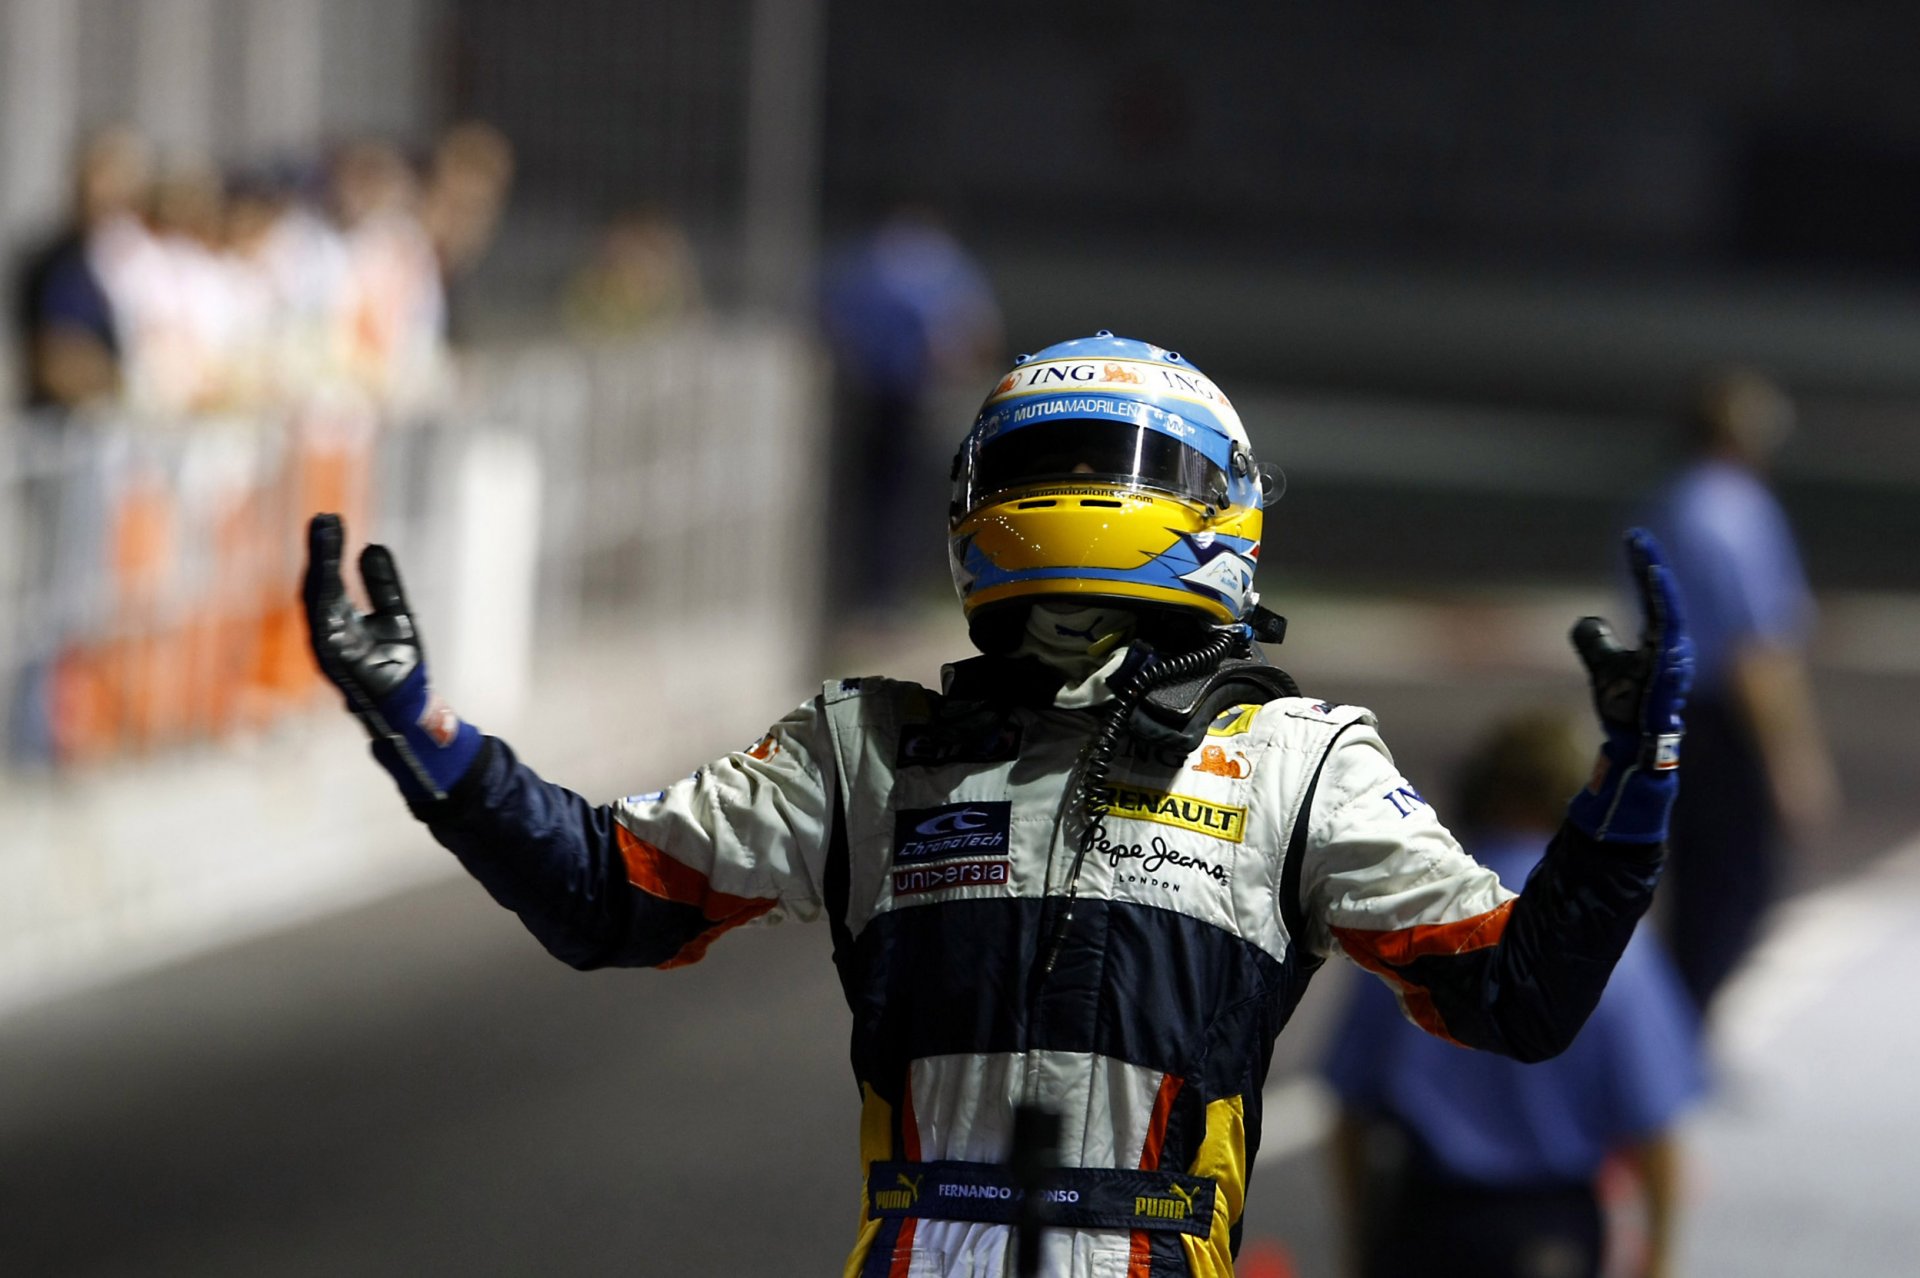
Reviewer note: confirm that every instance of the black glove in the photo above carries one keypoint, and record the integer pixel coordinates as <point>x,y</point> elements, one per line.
<point>1638,693</point>
<point>377,662</point>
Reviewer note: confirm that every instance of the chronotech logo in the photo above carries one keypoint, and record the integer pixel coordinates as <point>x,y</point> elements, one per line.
<point>971,830</point>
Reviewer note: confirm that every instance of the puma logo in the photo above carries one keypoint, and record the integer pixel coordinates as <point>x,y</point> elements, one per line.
<point>902,1198</point>
<point>1068,632</point>
<point>1157,1208</point>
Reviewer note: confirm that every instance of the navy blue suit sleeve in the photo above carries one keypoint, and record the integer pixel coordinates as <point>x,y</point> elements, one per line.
<point>555,860</point>
<point>1470,961</point>
<point>1527,995</point>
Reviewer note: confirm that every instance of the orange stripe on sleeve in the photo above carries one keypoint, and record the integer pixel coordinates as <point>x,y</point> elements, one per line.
<point>1384,953</point>
<point>1402,946</point>
<point>657,874</point>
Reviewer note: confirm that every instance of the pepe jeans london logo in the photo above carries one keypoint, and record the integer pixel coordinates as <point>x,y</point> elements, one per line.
<point>1162,865</point>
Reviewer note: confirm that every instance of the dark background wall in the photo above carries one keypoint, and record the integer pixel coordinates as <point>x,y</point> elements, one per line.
<point>1565,212</point>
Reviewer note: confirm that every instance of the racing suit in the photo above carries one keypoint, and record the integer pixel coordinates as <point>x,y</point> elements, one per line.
<point>933,832</point>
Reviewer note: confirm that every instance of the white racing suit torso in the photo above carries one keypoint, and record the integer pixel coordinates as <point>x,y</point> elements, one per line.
<point>935,836</point>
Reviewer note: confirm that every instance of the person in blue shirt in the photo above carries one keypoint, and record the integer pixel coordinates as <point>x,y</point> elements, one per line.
<point>1461,1163</point>
<point>63,312</point>
<point>1758,768</point>
<point>907,313</point>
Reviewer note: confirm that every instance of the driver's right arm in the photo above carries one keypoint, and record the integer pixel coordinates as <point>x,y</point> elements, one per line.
<point>649,881</point>
<point>653,879</point>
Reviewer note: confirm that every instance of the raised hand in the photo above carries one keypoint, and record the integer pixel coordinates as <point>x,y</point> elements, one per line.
<point>1638,694</point>
<point>377,661</point>
<point>366,655</point>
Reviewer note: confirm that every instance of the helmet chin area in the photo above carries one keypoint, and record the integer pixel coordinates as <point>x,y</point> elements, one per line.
<point>1088,542</point>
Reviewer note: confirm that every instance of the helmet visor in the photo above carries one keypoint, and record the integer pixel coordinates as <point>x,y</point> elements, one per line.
<point>1090,451</point>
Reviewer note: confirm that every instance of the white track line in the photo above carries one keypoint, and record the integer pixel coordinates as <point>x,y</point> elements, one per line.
<point>1811,943</point>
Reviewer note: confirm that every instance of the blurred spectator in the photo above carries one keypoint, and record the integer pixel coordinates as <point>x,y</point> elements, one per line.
<point>466,192</point>
<point>1457,1164</point>
<point>171,287</point>
<point>395,301</point>
<point>303,258</point>
<point>643,276</point>
<point>67,321</point>
<point>906,311</point>
<point>256,206</point>
<point>1755,755</point>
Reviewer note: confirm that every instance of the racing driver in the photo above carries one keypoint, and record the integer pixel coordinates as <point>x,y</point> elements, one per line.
<point>1095,871</point>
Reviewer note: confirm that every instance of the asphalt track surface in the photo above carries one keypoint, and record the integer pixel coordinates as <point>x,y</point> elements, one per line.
<point>414,1088</point>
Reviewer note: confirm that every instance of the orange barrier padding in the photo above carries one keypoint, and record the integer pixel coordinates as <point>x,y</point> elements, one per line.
<point>201,634</point>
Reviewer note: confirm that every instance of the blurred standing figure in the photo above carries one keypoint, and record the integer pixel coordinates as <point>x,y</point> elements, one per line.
<point>461,204</point>
<point>179,308</point>
<point>643,275</point>
<point>1757,759</point>
<point>394,297</point>
<point>1470,1164</point>
<point>907,313</point>
<point>73,338</point>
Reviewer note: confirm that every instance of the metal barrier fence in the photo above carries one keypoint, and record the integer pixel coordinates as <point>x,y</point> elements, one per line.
<point>147,570</point>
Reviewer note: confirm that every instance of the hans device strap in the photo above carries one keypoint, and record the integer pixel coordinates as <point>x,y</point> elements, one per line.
<point>1178,712</point>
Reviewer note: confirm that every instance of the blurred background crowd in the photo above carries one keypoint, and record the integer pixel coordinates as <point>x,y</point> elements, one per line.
<point>182,290</point>
<point>203,353</point>
<point>644,332</point>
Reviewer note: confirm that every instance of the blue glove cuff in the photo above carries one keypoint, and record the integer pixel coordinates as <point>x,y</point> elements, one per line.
<point>426,747</point>
<point>1631,793</point>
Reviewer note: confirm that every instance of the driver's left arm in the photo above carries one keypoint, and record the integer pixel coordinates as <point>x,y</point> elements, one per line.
<point>1388,885</point>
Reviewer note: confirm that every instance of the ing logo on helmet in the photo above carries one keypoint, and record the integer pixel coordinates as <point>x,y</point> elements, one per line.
<point>1155,380</point>
<point>1214,762</point>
